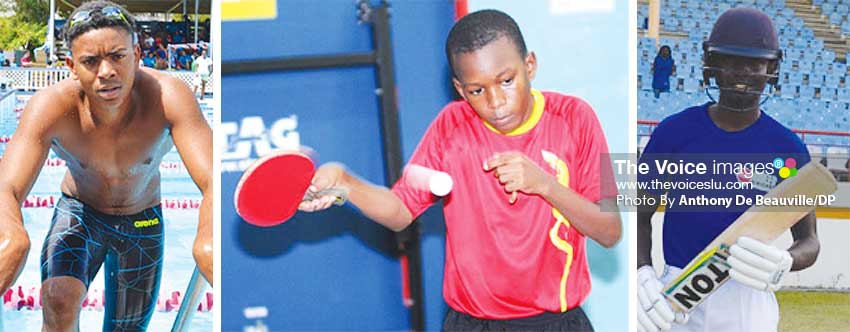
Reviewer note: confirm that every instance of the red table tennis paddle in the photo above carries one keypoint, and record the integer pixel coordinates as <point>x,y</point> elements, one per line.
<point>270,191</point>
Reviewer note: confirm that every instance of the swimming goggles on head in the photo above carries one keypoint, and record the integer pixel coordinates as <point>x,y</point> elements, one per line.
<point>84,16</point>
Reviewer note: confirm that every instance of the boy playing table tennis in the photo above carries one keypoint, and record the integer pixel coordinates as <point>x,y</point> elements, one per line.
<point>526,171</point>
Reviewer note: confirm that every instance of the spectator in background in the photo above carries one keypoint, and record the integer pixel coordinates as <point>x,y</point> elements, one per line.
<point>202,66</point>
<point>161,53</point>
<point>662,68</point>
<point>149,60</point>
<point>149,41</point>
<point>26,60</point>
<point>184,61</point>
<point>161,62</point>
<point>2,57</point>
<point>47,58</point>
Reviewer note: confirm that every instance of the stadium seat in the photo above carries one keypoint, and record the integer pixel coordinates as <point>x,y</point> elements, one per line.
<point>831,80</point>
<point>795,78</point>
<point>828,93</point>
<point>807,92</point>
<point>807,69</point>
<point>788,91</point>
<point>691,85</point>
<point>815,79</point>
<point>844,94</point>
<point>827,8</point>
<point>644,82</point>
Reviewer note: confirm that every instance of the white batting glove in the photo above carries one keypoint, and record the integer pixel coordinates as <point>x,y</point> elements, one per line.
<point>757,264</point>
<point>654,312</point>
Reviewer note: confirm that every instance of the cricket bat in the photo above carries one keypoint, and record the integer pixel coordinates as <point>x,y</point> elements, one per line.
<point>709,270</point>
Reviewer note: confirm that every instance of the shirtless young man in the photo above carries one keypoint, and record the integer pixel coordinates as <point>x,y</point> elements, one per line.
<point>112,122</point>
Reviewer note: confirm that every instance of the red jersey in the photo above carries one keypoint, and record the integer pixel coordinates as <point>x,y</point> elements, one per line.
<point>505,260</point>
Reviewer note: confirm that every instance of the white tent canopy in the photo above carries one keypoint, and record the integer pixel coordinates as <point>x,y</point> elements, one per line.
<point>134,6</point>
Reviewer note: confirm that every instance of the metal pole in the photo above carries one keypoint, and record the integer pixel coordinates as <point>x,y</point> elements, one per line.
<point>185,24</point>
<point>297,63</point>
<point>196,21</point>
<point>408,239</point>
<point>189,305</point>
<point>51,42</point>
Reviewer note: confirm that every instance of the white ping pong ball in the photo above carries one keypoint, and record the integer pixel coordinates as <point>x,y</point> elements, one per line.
<point>440,184</point>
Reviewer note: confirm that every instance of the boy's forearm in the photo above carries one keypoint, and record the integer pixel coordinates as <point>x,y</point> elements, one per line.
<point>377,203</point>
<point>804,253</point>
<point>644,239</point>
<point>586,216</point>
<point>806,246</point>
<point>644,227</point>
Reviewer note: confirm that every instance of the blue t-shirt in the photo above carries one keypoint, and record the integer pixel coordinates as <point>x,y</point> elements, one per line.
<point>149,61</point>
<point>662,70</point>
<point>692,135</point>
<point>185,61</point>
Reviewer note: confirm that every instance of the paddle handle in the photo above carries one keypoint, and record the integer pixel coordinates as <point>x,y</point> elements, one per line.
<point>340,193</point>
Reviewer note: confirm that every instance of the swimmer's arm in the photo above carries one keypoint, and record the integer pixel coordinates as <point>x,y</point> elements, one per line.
<point>193,139</point>
<point>376,202</point>
<point>21,163</point>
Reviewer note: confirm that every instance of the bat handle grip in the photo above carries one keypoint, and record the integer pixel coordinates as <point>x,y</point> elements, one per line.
<point>341,194</point>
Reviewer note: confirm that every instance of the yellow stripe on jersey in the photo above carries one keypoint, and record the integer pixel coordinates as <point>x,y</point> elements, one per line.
<point>568,249</point>
<point>563,176</point>
<point>533,119</point>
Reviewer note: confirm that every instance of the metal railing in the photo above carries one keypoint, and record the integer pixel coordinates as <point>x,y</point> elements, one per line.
<point>189,305</point>
<point>40,78</point>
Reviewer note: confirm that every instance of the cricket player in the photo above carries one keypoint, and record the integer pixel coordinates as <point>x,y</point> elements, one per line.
<point>742,56</point>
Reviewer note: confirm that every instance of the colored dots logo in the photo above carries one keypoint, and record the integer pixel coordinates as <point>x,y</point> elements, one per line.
<point>787,168</point>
